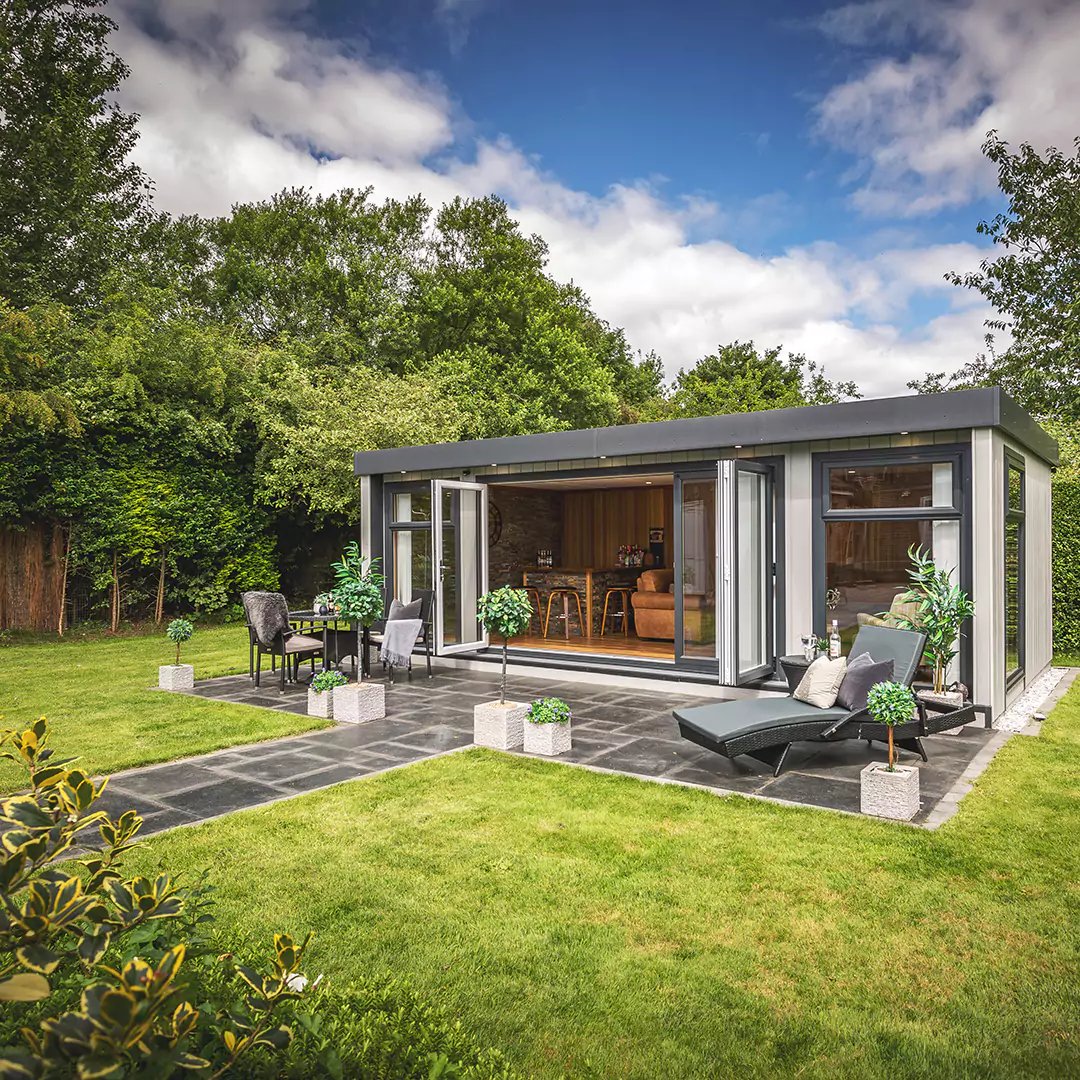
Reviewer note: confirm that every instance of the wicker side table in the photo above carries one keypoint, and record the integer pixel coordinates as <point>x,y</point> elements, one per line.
<point>794,667</point>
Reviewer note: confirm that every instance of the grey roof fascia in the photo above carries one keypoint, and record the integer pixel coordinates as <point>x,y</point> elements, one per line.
<point>980,408</point>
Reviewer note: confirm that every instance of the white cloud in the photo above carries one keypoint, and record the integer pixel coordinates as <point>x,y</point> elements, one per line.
<point>237,107</point>
<point>916,124</point>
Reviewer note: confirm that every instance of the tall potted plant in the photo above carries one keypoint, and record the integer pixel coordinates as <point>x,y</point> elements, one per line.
<point>943,607</point>
<point>504,613</point>
<point>890,790</point>
<point>358,597</point>
<point>177,676</point>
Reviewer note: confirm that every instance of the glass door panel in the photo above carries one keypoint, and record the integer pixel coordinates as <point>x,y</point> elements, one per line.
<point>460,538</point>
<point>696,570</point>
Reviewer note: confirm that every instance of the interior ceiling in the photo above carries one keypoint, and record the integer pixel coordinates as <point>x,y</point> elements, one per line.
<point>595,483</point>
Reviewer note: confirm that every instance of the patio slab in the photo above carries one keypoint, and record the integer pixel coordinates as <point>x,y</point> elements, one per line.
<point>625,731</point>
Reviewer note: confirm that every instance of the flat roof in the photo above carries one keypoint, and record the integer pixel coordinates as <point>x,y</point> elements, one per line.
<point>988,407</point>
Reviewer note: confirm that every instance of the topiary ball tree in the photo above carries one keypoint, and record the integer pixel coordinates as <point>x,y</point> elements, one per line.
<point>178,632</point>
<point>505,612</point>
<point>890,703</point>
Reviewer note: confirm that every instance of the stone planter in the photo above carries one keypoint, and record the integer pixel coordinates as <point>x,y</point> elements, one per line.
<point>500,725</point>
<point>359,703</point>
<point>176,677</point>
<point>547,739</point>
<point>320,703</point>
<point>890,794</point>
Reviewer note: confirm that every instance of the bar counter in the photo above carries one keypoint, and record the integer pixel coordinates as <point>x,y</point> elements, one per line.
<point>590,581</point>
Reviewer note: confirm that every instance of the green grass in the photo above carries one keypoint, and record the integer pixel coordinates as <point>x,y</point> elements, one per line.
<point>96,692</point>
<point>600,925</point>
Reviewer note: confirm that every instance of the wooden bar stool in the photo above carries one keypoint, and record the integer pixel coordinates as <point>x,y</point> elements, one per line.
<point>565,594</point>
<point>538,606</point>
<point>623,612</point>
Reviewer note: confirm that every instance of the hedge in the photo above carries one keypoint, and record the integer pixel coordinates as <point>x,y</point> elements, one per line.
<point>1066,565</point>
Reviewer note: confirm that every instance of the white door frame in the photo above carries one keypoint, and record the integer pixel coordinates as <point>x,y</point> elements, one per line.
<point>438,567</point>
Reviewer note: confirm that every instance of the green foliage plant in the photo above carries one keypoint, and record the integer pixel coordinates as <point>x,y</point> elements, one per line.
<point>179,631</point>
<point>134,1016</point>
<point>505,612</point>
<point>358,594</point>
<point>327,680</point>
<point>891,703</point>
<point>943,608</point>
<point>549,710</point>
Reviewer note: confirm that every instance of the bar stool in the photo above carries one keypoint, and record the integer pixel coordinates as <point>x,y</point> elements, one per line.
<point>623,593</point>
<point>565,594</point>
<point>538,606</point>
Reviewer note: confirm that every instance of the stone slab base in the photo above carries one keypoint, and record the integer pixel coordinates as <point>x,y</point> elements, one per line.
<point>890,794</point>
<point>176,677</point>
<point>320,703</point>
<point>499,725</point>
<point>547,739</point>
<point>359,703</point>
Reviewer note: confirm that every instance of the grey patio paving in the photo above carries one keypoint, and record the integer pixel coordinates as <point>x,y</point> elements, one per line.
<point>625,731</point>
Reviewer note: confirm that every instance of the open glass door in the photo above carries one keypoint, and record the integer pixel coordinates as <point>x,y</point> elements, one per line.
<point>747,572</point>
<point>459,535</point>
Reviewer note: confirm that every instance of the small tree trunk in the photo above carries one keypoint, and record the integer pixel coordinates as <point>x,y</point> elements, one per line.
<point>63,584</point>
<point>502,685</point>
<point>159,604</point>
<point>939,677</point>
<point>892,752</point>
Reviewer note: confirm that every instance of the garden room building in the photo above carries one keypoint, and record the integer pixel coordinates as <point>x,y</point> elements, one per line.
<point>703,550</point>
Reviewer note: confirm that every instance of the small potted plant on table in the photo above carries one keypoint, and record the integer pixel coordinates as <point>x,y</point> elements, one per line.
<point>320,695</point>
<point>177,676</point>
<point>505,612</point>
<point>547,731</point>
<point>890,790</point>
<point>358,597</point>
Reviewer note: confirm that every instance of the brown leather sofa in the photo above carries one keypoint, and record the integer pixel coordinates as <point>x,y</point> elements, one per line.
<point>654,607</point>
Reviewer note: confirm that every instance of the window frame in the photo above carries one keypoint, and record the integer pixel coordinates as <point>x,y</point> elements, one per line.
<point>1014,461</point>
<point>957,454</point>
<point>390,527</point>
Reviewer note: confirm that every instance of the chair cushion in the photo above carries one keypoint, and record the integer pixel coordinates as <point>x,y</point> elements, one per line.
<point>728,719</point>
<point>660,601</point>
<point>398,610</point>
<point>860,676</point>
<point>821,682</point>
<point>302,643</point>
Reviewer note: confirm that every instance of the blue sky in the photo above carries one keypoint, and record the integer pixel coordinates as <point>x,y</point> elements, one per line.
<point>797,173</point>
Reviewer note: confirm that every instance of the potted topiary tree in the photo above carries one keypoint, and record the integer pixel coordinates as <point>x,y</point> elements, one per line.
<point>177,676</point>
<point>505,613</point>
<point>359,599</point>
<point>547,731</point>
<point>320,695</point>
<point>890,790</point>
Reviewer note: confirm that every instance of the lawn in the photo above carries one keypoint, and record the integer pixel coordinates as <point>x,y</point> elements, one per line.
<point>97,695</point>
<point>599,925</point>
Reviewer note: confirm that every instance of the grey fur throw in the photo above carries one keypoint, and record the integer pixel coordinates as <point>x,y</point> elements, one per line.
<point>268,614</point>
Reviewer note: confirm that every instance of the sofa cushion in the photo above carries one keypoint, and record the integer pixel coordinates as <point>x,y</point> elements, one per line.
<point>658,601</point>
<point>821,682</point>
<point>655,581</point>
<point>858,679</point>
<point>728,719</point>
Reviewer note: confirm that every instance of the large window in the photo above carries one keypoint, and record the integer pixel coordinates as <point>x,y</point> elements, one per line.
<point>1014,568</point>
<point>408,563</point>
<point>874,509</point>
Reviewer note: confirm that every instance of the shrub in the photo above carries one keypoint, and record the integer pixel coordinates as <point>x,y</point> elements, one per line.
<point>505,612</point>
<point>891,703</point>
<point>178,632</point>
<point>1066,565</point>
<point>549,710</point>
<point>327,680</point>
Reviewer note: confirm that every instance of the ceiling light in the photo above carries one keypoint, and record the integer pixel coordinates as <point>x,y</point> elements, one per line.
<point>648,482</point>
<point>494,464</point>
<point>402,472</point>
<point>738,446</point>
<point>903,432</point>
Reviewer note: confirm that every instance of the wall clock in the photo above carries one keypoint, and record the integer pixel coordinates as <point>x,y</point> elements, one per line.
<point>494,524</point>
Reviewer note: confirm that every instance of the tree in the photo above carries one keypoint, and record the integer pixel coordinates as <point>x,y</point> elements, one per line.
<point>1033,282</point>
<point>737,378</point>
<point>68,193</point>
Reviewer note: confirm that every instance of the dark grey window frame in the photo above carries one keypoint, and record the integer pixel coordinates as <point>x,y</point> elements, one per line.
<point>1014,461</point>
<point>958,454</point>
<point>390,527</point>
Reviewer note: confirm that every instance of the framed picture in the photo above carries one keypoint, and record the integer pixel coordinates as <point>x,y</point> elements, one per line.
<point>656,536</point>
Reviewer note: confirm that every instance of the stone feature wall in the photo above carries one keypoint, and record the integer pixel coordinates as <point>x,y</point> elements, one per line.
<point>531,521</point>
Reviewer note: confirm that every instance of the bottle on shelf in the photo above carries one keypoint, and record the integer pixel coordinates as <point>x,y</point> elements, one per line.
<point>834,642</point>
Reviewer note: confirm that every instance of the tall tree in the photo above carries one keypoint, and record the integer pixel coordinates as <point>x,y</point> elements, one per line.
<point>1033,282</point>
<point>739,378</point>
<point>68,193</point>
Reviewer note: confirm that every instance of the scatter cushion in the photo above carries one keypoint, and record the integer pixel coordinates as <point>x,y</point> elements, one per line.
<point>821,683</point>
<point>858,680</point>
<point>398,610</point>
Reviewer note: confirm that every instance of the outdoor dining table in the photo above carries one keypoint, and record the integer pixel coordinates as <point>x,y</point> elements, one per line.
<point>332,635</point>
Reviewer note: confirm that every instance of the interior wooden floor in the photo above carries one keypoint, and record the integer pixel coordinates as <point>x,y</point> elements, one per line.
<point>608,645</point>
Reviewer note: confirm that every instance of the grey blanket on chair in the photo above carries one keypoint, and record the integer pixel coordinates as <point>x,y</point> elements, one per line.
<point>267,614</point>
<point>399,637</point>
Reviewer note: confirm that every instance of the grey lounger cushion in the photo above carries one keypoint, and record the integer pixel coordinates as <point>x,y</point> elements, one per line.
<point>730,719</point>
